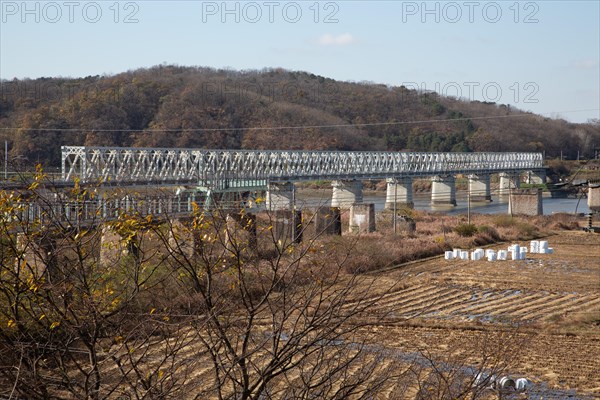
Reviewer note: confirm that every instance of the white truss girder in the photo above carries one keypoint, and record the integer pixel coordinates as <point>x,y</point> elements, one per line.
<point>76,213</point>
<point>211,167</point>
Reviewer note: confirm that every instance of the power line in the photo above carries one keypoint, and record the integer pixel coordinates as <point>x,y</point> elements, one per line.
<point>298,127</point>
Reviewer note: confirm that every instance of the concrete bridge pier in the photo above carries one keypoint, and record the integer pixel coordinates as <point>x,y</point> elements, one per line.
<point>183,239</point>
<point>400,191</point>
<point>280,196</point>
<point>328,221</point>
<point>285,219</point>
<point>287,226</point>
<point>536,177</point>
<point>240,234</point>
<point>113,248</point>
<point>479,188</point>
<point>594,198</point>
<point>443,190</point>
<point>36,255</point>
<point>346,193</point>
<point>362,218</point>
<point>509,181</point>
<point>525,202</point>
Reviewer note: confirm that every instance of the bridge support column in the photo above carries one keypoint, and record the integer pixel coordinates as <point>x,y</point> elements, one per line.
<point>525,202</point>
<point>328,221</point>
<point>240,234</point>
<point>479,187</point>
<point>508,181</point>
<point>399,190</point>
<point>536,177</point>
<point>346,193</point>
<point>280,196</point>
<point>36,256</point>
<point>113,247</point>
<point>362,218</point>
<point>594,198</point>
<point>183,240</point>
<point>443,190</point>
<point>287,227</point>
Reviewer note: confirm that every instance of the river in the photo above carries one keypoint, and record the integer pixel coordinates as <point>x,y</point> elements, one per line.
<point>422,201</point>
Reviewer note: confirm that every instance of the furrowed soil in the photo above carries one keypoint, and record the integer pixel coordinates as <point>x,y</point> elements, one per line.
<point>537,318</point>
<point>547,308</point>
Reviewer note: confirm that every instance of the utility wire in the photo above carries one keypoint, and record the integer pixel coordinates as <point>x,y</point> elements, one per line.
<point>299,127</point>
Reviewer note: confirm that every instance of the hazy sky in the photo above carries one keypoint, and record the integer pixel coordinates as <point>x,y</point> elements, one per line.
<point>541,56</point>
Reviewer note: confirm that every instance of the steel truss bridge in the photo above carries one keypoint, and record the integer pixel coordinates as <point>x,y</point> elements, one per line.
<point>100,210</point>
<point>227,169</point>
<point>236,171</point>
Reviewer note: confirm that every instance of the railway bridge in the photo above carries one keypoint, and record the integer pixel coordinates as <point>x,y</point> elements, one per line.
<point>275,172</point>
<point>169,181</point>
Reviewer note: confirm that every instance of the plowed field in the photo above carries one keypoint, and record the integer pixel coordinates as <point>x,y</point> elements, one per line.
<point>548,306</point>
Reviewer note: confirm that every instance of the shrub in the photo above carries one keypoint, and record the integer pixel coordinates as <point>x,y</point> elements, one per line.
<point>490,232</point>
<point>465,230</point>
<point>564,221</point>
<point>527,231</point>
<point>486,235</point>
<point>566,226</point>
<point>504,221</point>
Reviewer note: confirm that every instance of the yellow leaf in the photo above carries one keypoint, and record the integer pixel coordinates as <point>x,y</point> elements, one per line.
<point>54,325</point>
<point>11,323</point>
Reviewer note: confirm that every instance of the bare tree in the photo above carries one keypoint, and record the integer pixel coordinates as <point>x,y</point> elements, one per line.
<point>276,326</point>
<point>71,325</point>
<point>216,304</point>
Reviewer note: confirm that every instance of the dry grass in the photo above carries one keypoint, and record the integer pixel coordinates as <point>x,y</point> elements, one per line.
<point>437,233</point>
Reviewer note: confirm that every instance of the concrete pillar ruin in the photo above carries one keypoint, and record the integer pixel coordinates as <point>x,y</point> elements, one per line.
<point>443,190</point>
<point>328,221</point>
<point>479,188</point>
<point>525,202</point>
<point>113,248</point>
<point>183,239</point>
<point>287,226</point>
<point>508,181</point>
<point>346,193</point>
<point>594,198</point>
<point>240,234</point>
<point>405,224</point>
<point>537,177</point>
<point>36,255</point>
<point>280,196</point>
<point>362,218</point>
<point>400,191</point>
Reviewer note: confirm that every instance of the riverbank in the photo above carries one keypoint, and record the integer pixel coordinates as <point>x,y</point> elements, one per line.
<point>436,233</point>
<point>313,198</point>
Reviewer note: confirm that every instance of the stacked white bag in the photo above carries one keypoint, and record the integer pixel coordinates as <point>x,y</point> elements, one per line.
<point>540,247</point>
<point>514,251</point>
<point>477,254</point>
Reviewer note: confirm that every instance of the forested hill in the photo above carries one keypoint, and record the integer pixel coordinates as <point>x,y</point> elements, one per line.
<point>170,106</point>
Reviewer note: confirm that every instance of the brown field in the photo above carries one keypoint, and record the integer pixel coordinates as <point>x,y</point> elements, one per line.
<point>537,318</point>
<point>543,312</point>
<point>548,306</point>
<point>420,330</point>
